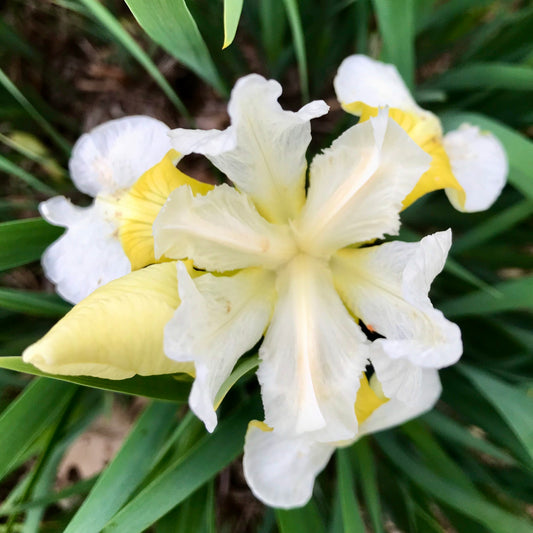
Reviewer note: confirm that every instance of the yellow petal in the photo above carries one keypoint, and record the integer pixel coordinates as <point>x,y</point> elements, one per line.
<point>367,401</point>
<point>426,131</point>
<point>117,331</point>
<point>142,203</point>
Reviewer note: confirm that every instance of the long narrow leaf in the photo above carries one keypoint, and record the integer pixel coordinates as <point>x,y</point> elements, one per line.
<point>33,303</point>
<point>23,241</point>
<point>10,168</point>
<point>165,388</point>
<point>125,39</point>
<point>232,15</point>
<point>170,24</point>
<point>128,469</point>
<point>351,514</point>
<point>28,416</point>
<point>182,478</point>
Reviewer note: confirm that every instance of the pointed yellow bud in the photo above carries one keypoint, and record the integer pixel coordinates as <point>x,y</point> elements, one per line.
<point>117,331</point>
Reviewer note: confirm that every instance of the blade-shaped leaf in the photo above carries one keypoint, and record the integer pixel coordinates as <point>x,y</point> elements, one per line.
<point>41,403</point>
<point>167,388</point>
<point>33,303</point>
<point>305,518</point>
<point>513,403</point>
<point>188,473</point>
<point>514,294</point>
<point>130,466</point>
<point>232,15</point>
<point>23,241</point>
<point>170,24</point>
<point>351,514</point>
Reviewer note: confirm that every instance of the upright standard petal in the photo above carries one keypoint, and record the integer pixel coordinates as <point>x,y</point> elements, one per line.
<point>220,231</point>
<point>113,156</point>
<point>357,186</point>
<point>263,151</point>
<point>116,332</point>
<point>387,287</point>
<point>312,356</point>
<point>88,255</point>
<point>141,204</point>
<point>220,318</point>
<point>281,469</point>
<point>480,165</point>
<point>361,80</point>
<point>395,412</point>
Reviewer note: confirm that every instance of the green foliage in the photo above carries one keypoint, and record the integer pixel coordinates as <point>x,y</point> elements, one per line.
<point>468,463</point>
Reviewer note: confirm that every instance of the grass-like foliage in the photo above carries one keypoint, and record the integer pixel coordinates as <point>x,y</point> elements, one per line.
<point>67,65</point>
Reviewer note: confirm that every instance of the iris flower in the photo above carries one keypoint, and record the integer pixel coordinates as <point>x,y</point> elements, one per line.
<point>110,237</point>
<point>292,265</point>
<point>469,164</point>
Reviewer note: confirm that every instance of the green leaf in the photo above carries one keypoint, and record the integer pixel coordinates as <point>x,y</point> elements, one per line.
<point>232,15</point>
<point>468,503</point>
<point>166,388</point>
<point>41,403</point>
<point>12,89</point>
<point>519,149</point>
<point>305,518</point>
<point>487,76</point>
<point>514,295</point>
<point>170,24</point>
<point>10,168</point>
<point>240,370</point>
<point>33,303</point>
<point>105,17</point>
<point>512,402</point>
<point>495,225</point>
<point>351,514</point>
<point>368,479</point>
<point>24,241</point>
<point>396,27</point>
<point>130,466</point>
<point>295,21</point>
<point>185,475</point>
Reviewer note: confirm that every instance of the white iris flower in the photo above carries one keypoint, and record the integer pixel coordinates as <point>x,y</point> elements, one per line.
<point>298,270</point>
<point>293,264</point>
<point>469,164</point>
<point>105,163</point>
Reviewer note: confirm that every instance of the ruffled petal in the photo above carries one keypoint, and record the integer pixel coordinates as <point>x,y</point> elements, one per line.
<point>387,287</point>
<point>220,231</point>
<point>395,412</point>
<point>281,469</point>
<point>312,356</point>
<point>141,204</point>
<point>361,79</point>
<point>220,318</point>
<point>357,186</point>
<point>263,151</point>
<point>88,255</point>
<point>114,155</point>
<point>480,165</point>
<point>116,332</point>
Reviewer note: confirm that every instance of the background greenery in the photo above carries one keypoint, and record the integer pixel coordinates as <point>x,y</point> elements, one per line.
<point>67,65</point>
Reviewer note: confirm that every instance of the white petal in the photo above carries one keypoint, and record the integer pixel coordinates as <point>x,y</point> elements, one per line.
<point>281,470</point>
<point>114,155</point>
<point>88,255</point>
<point>219,319</point>
<point>396,412</point>
<point>377,84</point>
<point>263,151</point>
<point>480,165</point>
<point>387,287</point>
<point>357,186</point>
<point>220,231</point>
<point>312,356</point>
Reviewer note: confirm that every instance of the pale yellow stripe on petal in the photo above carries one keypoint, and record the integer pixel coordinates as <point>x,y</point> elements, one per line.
<point>142,203</point>
<point>117,331</point>
<point>367,401</point>
<point>426,131</point>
